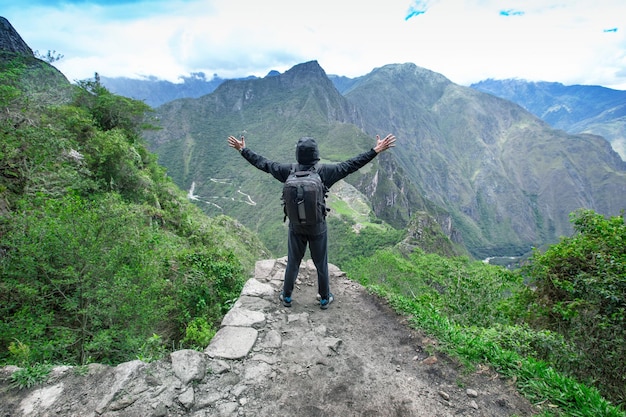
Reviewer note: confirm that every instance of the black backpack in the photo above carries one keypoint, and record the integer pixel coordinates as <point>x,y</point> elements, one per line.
<point>304,197</point>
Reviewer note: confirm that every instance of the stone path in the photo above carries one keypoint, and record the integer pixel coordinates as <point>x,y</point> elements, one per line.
<point>358,358</point>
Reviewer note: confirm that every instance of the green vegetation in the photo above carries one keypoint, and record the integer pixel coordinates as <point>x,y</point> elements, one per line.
<point>562,338</point>
<point>30,376</point>
<point>102,257</point>
<point>581,294</point>
<point>345,244</point>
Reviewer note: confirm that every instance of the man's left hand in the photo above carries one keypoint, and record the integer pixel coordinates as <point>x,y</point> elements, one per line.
<point>384,144</point>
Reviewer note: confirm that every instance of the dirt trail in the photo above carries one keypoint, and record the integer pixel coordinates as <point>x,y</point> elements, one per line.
<point>358,358</point>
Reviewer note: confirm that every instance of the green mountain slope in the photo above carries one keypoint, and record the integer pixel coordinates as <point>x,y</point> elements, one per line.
<point>273,113</point>
<point>507,178</point>
<point>102,256</point>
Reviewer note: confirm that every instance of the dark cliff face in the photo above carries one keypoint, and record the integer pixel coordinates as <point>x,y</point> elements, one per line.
<point>11,41</point>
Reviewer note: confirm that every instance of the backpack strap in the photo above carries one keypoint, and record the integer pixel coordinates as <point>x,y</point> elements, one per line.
<point>293,169</point>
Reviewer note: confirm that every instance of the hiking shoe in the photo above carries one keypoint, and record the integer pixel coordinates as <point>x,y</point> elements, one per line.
<point>286,300</point>
<point>324,303</point>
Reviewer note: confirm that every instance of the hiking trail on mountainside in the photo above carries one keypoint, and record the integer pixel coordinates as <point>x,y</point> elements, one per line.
<point>357,358</point>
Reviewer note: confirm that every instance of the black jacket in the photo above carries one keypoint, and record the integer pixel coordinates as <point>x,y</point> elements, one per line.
<point>307,155</point>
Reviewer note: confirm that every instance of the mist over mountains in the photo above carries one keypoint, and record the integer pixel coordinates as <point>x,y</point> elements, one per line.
<point>497,178</point>
<point>155,92</point>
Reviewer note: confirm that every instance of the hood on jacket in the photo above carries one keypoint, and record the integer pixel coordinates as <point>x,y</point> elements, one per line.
<point>307,152</point>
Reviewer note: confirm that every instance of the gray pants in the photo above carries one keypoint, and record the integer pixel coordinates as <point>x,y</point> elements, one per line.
<point>296,247</point>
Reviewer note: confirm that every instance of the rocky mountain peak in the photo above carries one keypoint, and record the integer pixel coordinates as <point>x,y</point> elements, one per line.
<point>304,74</point>
<point>11,41</point>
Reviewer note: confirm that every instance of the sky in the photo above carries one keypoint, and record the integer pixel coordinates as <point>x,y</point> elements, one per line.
<point>566,41</point>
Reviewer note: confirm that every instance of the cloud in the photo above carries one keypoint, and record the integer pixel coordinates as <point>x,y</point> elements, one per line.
<point>466,41</point>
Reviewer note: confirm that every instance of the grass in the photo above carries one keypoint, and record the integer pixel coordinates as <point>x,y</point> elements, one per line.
<point>30,376</point>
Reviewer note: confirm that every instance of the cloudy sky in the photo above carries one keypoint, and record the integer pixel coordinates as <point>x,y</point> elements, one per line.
<point>567,41</point>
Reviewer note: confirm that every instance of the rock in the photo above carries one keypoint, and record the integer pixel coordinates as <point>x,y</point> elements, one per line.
<point>121,375</point>
<point>332,345</point>
<point>256,372</point>
<point>471,393</point>
<point>431,360</point>
<point>255,288</point>
<point>160,410</point>
<point>254,304</point>
<point>264,268</point>
<point>228,409</point>
<point>122,403</point>
<point>271,360</point>
<point>188,365</point>
<point>301,318</point>
<point>243,318</point>
<point>335,271</point>
<point>187,397</point>
<point>232,342</point>
<point>271,340</point>
<point>219,367</point>
<point>41,398</point>
<point>11,41</point>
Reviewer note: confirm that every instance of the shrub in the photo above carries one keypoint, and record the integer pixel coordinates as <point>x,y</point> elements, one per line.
<point>198,334</point>
<point>81,282</point>
<point>581,294</point>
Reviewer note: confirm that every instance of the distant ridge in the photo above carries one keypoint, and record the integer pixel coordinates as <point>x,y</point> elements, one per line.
<point>573,108</point>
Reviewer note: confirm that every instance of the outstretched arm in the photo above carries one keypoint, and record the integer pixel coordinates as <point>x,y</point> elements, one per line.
<point>383,144</point>
<point>336,172</point>
<point>278,171</point>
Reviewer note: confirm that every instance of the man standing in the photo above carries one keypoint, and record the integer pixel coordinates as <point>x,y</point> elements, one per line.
<point>307,155</point>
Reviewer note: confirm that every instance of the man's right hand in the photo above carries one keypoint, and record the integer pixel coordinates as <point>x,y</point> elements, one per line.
<point>233,142</point>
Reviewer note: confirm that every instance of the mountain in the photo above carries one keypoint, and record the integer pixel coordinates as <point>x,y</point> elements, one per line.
<point>154,91</point>
<point>574,108</point>
<point>497,178</point>
<point>11,41</point>
<point>507,178</point>
<point>272,112</point>
<point>41,83</point>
